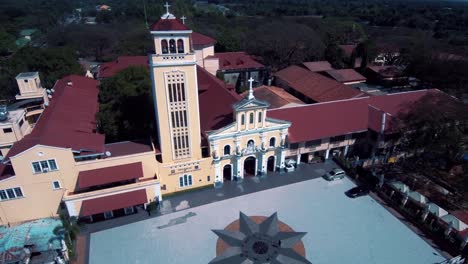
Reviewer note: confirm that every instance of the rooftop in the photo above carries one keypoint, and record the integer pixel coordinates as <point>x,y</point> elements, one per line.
<point>346,75</point>
<point>108,175</point>
<point>38,233</point>
<point>388,71</point>
<point>275,96</point>
<point>316,86</point>
<point>168,24</point>
<point>128,148</point>
<point>318,66</point>
<point>210,89</point>
<point>346,116</point>
<point>69,120</point>
<point>200,40</point>
<point>27,75</point>
<point>236,61</point>
<point>109,69</point>
<point>348,49</point>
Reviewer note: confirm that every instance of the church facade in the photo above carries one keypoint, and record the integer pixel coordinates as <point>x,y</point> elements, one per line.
<point>242,146</point>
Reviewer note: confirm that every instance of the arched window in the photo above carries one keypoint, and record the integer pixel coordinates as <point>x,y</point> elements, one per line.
<point>172,46</point>
<point>251,118</point>
<point>250,144</point>
<point>180,46</point>
<point>227,150</point>
<point>164,46</point>
<point>242,119</point>
<point>185,180</point>
<point>272,142</point>
<point>259,117</point>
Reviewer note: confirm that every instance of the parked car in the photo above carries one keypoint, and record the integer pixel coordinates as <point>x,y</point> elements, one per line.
<point>335,174</point>
<point>357,191</point>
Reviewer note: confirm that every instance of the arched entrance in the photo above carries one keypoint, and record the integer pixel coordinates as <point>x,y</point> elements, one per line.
<point>227,172</point>
<point>271,163</point>
<point>249,166</point>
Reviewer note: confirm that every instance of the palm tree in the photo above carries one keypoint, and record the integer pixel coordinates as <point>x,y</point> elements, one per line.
<point>69,230</point>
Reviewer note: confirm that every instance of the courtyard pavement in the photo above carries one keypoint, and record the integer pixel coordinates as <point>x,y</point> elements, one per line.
<point>204,196</point>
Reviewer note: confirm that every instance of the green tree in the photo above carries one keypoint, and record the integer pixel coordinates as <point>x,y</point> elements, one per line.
<point>435,124</point>
<point>69,230</point>
<point>126,108</point>
<point>52,64</point>
<point>335,55</point>
<point>7,43</point>
<point>289,43</point>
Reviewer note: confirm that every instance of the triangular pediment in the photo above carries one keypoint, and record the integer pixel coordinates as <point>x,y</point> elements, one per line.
<point>247,104</point>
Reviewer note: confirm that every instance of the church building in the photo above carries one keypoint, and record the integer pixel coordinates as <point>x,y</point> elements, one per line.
<point>206,135</point>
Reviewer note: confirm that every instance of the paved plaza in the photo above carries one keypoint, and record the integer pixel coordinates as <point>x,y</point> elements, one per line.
<point>338,229</point>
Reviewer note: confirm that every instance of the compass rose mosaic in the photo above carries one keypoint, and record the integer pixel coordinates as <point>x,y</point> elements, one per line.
<point>259,239</point>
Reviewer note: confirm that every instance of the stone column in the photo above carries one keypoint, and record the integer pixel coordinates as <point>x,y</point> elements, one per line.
<point>218,177</point>
<point>327,153</point>
<point>235,167</point>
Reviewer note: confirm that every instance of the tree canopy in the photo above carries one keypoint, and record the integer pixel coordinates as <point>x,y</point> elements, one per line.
<point>126,109</point>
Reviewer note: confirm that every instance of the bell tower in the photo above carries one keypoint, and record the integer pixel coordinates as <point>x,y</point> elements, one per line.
<point>175,90</point>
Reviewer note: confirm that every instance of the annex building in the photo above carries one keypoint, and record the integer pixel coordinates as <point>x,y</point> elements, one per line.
<point>207,134</point>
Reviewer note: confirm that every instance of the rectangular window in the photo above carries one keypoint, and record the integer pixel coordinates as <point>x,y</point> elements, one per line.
<point>56,185</point>
<point>185,180</point>
<point>36,167</point>
<point>182,90</point>
<point>293,146</point>
<point>52,165</point>
<point>207,178</point>
<point>108,214</point>
<point>44,165</point>
<point>7,130</point>
<point>171,99</point>
<point>18,192</point>
<point>3,195</point>
<point>129,210</point>
<point>177,118</point>
<point>313,143</point>
<point>259,117</point>
<point>11,194</point>
<point>251,118</point>
<point>181,182</point>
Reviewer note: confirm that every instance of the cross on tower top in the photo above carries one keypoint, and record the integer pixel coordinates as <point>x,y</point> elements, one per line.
<point>167,5</point>
<point>183,19</point>
<point>251,96</point>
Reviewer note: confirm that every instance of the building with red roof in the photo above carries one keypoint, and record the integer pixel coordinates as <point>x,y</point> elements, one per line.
<point>346,76</point>
<point>109,69</point>
<point>207,134</point>
<point>275,97</point>
<point>236,68</point>
<point>313,87</point>
<point>318,66</point>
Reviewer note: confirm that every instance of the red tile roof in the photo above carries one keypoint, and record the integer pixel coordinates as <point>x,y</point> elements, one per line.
<point>236,60</point>
<point>6,171</point>
<point>168,25</point>
<point>318,66</point>
<point>346,75</point>
<point>107,175</point>
<point>275,96</point>
<point>323,120</point>
<point>201,40</point>
<point>113,202</point>
<point>461,215</point>
<point>69,120</point>
<point>215,102</point>
<point>110,69</point>
<point>316,86</point>
<point>329,119</point>
<point>128,148</point>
